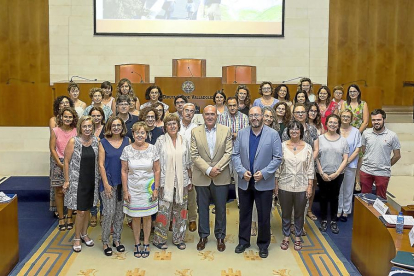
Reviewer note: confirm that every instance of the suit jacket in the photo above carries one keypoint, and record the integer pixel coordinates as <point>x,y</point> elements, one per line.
<point>268,157</point>
<point>200,155</point>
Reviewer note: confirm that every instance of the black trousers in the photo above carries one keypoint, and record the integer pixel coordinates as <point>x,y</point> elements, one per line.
<point>263,201</point>
<point>219,196</point>
<point>329,193</point>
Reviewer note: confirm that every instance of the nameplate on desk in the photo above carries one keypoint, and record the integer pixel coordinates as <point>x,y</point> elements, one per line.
<point>380,207</point>
<point>411,236</point>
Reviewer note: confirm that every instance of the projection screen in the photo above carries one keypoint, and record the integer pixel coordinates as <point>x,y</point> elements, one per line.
<point>190,17</point>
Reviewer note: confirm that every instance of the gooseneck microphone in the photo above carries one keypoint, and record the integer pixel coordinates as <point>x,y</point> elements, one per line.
<point>292,79</point>
<point>141,81</point>
<point>235,74</point>
<point>189,70</point>
<point>82,78</point>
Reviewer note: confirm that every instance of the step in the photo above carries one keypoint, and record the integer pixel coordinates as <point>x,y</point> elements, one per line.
<point>400,191</point>
<point>31,163</point>
<point>24,138</point>
<point>400,128</point>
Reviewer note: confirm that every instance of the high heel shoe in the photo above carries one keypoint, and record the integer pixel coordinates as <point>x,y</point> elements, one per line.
<point>89,243</point>
<point>69,225</point>
<point>77,248</point>
<point>108,250</point>
<point>119,248</point>
<point>62,227</point>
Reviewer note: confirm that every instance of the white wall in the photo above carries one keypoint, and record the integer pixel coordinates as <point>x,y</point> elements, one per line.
<point>74,50</point>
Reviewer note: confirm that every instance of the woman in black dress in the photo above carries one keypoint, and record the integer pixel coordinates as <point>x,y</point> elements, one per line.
<point>81,178</point>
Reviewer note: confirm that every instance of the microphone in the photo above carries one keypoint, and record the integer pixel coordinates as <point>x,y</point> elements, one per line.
<point>133,72</point>
<point>10,79</point>
<point>365,82</point>
<point>292,79</point>
<point>189,70</point>
<point>82,78</point>
<point>235,74</point>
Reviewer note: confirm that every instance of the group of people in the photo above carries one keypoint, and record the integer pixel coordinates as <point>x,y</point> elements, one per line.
<point>161,169</point>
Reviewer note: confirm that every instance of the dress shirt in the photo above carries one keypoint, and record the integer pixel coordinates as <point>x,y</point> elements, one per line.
<point>185,131</point>
<point>211,142</point>
<point>253,144</point>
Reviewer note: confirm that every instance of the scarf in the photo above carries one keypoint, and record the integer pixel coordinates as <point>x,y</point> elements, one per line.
<point>174,169</point>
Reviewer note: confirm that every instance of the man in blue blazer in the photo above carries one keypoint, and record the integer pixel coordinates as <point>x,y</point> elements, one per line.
<point>257,153</point>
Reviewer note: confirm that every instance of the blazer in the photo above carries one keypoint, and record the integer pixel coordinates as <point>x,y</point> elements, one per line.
<point>200,155</point>
<point>267,159</point>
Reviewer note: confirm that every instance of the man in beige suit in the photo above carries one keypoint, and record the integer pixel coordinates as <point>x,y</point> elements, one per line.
<point>211,149</point>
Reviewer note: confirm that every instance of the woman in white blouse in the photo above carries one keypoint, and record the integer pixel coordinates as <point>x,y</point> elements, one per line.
<point>294,180</point>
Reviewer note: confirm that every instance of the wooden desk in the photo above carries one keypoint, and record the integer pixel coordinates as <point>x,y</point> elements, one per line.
<point>373,244</point>
<point>9,233</point>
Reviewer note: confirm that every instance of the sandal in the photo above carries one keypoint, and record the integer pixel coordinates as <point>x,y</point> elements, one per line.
<point>304,233</point>
<point>62,227</point>
<point>181,245</point>
<point>145,252</point>
<point>69,225</point>
<point>297,245</point>
<point>77,248</point>
<point>88,243</point>
<point>284,245</point>
<point>119,248</point>
<point>137,253</point>
<point>94,221</point>
<point>108,250</point>
<point>161,246</point>
<point>311,216</point>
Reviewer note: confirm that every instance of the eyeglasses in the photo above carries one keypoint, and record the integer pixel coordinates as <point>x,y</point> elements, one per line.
<point>256,116</point>
<point>188,110</point>
<point>266,88</point>
<point>123,104</point>
<point>170,124</point>
<point>300,112</point>
<point>64,102</point>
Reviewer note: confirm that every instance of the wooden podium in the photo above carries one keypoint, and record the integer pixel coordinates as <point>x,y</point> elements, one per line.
<point>136,73</point>
<point>201,94</point>
<point>9,231</point>
<point>188,67</point>
<point>240,74</point>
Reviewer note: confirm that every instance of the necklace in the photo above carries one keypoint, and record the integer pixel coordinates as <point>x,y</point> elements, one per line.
<point>294,146</point>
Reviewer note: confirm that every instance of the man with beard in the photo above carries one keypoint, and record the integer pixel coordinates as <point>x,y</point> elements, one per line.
<point>211,147</point>
<point>256,156</point>
<point>377,144</point>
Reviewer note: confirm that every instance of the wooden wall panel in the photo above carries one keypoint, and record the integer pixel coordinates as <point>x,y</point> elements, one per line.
<point>24,63</point>
<point>373,40</point>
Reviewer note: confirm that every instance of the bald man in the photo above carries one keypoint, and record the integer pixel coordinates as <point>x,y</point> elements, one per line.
<point>211,148</point>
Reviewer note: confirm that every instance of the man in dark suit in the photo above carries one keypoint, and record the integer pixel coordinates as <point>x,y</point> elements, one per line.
<point>256,156</point>
<point>211,147</point>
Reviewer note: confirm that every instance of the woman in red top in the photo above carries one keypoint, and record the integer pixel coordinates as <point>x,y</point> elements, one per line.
<point>326,106</point>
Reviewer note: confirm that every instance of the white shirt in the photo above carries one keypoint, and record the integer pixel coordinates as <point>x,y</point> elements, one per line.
<point>185,131</point>
<point>211,142</point>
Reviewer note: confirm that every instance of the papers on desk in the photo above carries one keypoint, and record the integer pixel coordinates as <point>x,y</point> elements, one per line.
<point>6,198</point>
<point>392,219</point>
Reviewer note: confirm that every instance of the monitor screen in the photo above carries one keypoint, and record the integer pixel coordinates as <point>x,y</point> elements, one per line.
<point>190,17</point>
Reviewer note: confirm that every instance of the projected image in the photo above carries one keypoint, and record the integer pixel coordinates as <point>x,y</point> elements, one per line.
<point>210,17</point>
